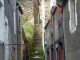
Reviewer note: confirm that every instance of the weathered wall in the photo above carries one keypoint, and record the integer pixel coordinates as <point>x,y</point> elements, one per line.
<point>48,38</point>
<point>2,30</point>
<point>56,31</point>
<point>2,22</point>
<point>3,34</point>
<point>11,38</point>
<point>36,11</point>
<point>38,31</point>
<point>47,10</point>
<point>8,28</point>
<point>27,6</point>
<point>72,40</point>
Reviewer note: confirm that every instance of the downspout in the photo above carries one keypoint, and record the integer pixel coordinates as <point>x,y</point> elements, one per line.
<point>53,37</point>
<point>62,27</point>
<point>45,46</point>
<point>17,32</point>
<point>62,31</point>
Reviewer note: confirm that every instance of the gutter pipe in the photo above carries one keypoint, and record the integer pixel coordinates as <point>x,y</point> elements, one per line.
<point>45,46</point>
<point>17,28</point>
<point>53,35</point>
<point>62,31</point>
<point>62,27</point>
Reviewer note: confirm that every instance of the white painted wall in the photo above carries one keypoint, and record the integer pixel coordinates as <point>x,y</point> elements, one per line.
<point>6,40</point>
<point>4,31</point>
<point>2,23</point>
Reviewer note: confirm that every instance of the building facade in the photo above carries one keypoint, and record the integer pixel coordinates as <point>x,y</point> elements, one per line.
<point>9,30</point>
<point>71,22</point>
<point>64,30</point>
<point>53,36</point>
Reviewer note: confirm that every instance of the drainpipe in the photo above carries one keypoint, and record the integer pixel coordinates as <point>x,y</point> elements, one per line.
<point>62,27</point>
<point>17,31</point>
<point>53,37</point>
<point>45,46</point>
<point>62,31</point>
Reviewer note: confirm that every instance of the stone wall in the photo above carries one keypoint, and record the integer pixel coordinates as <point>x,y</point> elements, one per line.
<point>72,40</point>
<point>38,31</point>
<point>47,10</point>
<point>27,6</point>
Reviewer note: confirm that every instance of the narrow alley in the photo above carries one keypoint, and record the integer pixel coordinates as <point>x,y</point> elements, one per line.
<point>39,30</point>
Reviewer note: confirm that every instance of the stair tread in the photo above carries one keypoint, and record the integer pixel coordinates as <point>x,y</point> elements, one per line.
<point>35,52</point>
<point>36,56</point>
<point>37,47</point>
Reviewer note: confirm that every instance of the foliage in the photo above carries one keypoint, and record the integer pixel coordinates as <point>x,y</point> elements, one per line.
<point>20,32</point>
<point>24,19</point>
<point>19,1</point>
<point>40,53</point>
<point>29,32</point>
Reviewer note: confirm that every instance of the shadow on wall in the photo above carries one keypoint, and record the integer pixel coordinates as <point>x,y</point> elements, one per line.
<point>1,4</point>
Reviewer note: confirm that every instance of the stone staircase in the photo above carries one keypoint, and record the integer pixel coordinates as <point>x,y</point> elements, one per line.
<point>37,45</point>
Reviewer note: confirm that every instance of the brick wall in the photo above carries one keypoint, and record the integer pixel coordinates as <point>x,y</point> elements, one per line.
<point>60,51</point>
<point>59,13</point>
<point>58,10</point>
<point>52,56</point>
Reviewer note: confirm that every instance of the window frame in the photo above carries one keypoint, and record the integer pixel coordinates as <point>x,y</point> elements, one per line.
<point>14,14</point>
<point>73,15</point>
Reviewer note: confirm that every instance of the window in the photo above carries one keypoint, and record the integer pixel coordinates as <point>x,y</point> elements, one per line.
<point>73,15</point>
<point>14,22</point>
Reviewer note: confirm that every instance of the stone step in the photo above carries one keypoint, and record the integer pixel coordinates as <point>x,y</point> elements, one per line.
<point>36,52</point>
<point>38,41</point>
<point>37,45</point>
<point>36,58</point>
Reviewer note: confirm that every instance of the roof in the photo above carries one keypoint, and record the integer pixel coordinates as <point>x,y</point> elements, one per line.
<point>54,10</point>
<point>47,24</point>
<point>64,3</point>
<point>19,7</point>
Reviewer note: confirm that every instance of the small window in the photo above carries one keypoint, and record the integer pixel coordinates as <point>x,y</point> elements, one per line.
<point>8,1</point>
<point>14,22</point>
<point>73,15</point>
